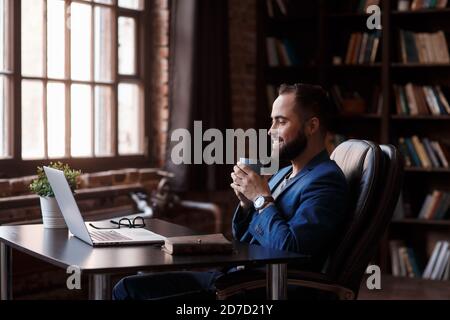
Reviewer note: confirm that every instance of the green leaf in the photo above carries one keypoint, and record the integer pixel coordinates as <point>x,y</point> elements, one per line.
<point>41,186</point>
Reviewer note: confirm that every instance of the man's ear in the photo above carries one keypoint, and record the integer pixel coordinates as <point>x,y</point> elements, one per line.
<point>313,126</point>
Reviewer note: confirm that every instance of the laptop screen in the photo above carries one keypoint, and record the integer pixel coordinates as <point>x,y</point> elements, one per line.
<point>67,204</point>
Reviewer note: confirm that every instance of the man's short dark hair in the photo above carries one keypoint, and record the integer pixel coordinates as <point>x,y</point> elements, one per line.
<point>312,101</point>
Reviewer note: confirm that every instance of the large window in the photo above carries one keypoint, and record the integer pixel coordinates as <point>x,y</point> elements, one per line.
<point>5,78</point>
<point>81,81</point>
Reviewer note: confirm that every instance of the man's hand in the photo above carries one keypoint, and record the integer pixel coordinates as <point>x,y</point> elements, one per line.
<point>245,203</point>
<point>248,183</point>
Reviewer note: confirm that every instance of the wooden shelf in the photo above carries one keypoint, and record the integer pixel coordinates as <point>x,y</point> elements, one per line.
<point>375,65</point>
<point>420,118</point>
<point>344,15</point>
<point>291,68</point>
<point>290,19</point>
<point>359,116</point>
<point>289,74</point>
<point>423,170</point>
<point>421,12</point>
<point>413,221</point>
<point>418,65</point>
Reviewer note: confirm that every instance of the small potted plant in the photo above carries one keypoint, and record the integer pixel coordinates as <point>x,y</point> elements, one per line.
<point>51,214</point>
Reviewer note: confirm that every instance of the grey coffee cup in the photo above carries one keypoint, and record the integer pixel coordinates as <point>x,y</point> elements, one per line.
<point>253,164</point>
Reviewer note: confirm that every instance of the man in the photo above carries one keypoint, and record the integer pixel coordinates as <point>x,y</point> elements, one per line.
<point>302,208</point>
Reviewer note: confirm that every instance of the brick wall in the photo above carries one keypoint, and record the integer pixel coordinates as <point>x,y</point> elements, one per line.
<point>243,48</point>
<point>160,80</point>
<point>243,63</point>
<point>148,178</point>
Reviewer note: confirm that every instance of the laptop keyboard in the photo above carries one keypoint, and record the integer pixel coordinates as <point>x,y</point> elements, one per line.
<point>107,236</point>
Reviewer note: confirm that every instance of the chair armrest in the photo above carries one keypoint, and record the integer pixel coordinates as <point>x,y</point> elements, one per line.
<point>232,283</point>
<point>208,207</point>
<point>341,292</point>
<point>236,282</point>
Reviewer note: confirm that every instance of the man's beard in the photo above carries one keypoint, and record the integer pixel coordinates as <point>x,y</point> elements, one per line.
<point>293,149</point>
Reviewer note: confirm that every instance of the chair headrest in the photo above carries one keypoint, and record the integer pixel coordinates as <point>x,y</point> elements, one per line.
<point>359,160</point>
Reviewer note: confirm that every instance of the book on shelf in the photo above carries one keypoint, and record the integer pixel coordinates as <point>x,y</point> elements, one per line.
<point>277,7</point>
<point>424,153</point>
<point>402,209</point>
<point>352,102</point>
<point>404,5</point>
<point>364,4</point>
<point>435,206</point>
<point>416,5</point>
<point>281,53</point>
<point>348,101</point>
<point>351,6</point>
<point>272,54</point>
<point>423,47</point>
<point>404,262</point>
<point>438,264</point>
<point>362,48</point>
<point>413,100</point>
<point>333,140</point>
<point>377,102</point>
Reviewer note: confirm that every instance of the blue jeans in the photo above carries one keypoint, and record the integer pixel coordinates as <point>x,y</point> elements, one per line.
<point>167,285</point>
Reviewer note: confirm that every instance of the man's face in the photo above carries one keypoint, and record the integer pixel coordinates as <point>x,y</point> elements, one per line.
<point>287,130</point>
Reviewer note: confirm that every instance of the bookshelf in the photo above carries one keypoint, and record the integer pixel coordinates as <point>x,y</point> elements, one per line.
<point>435,223</point>
<point>323,31</point>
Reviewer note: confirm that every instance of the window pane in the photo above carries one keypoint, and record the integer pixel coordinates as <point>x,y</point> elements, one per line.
<point>127,46</point>
<point>32,37</point>
<point>130,119</point>
<point>103,44</point>
<point>104,1</point>
<point>2,34</point>
<point>4,117</point>
<point>132,4</point>
<point>5,43</point>
<point>81,121</point>
<point>56,125</point>
<point>32,120</point>
<point>81,41</point>
<point>103,121</point>
<point>55,38</point>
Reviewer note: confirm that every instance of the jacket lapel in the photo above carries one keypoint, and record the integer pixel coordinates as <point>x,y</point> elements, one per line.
<point>321,157</point>
<point>273,183</point>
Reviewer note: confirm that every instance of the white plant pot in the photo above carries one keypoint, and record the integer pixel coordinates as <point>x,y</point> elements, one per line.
<point>52,217</point>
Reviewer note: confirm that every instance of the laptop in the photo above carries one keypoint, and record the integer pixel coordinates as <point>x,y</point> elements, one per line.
<point>77,226</point>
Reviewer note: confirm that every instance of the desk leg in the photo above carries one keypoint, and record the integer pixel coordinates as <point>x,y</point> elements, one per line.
<point>277,282</point>
<point>5,272</point>
<point>99,287</point>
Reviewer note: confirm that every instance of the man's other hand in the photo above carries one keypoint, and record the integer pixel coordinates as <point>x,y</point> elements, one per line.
<point>244,202</point>
<point>248,183</point>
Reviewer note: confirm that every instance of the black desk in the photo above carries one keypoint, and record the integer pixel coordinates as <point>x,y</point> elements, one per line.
<point>57,248</point>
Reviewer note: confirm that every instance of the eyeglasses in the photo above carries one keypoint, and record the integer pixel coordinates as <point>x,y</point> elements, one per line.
<point>136,223</point>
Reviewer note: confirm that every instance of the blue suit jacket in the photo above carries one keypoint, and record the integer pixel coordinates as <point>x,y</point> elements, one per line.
<point>308,215</point>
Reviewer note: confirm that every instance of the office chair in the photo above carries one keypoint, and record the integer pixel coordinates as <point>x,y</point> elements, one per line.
<point>374,175</point>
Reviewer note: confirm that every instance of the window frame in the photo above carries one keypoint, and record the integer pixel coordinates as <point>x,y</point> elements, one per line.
<point>15,166</point>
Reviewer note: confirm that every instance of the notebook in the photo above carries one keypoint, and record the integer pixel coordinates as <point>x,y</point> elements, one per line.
<point>202,244</point>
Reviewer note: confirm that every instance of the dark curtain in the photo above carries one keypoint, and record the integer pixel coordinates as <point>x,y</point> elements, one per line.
<point>199,84</point>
